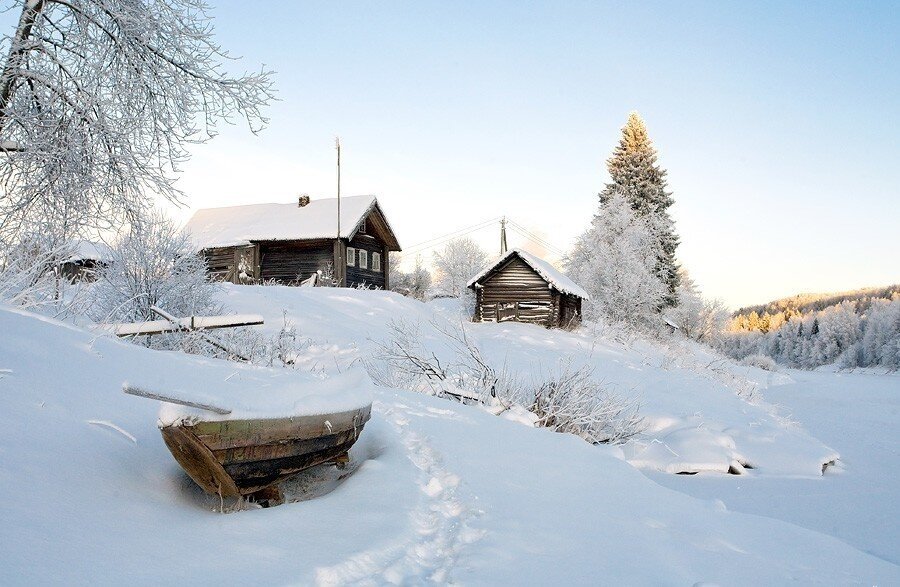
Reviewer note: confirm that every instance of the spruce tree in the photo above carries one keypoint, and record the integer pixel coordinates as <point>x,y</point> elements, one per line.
<point>636,175</point>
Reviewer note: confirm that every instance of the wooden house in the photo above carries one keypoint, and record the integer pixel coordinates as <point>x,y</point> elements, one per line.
<point>523,288</point>
<point>289,243</point>
<point>85,260</point>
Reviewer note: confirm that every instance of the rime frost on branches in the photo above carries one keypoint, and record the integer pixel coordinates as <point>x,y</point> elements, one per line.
<point>98,103</point>
<point>636,174</point>
<point>414,284</point>
<point>697,317</point>
<point>615,261</point>
<point>456,264</point>
<point>153,265</point>
<point>852,333</point>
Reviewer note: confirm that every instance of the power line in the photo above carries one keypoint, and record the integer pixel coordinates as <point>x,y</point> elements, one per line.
<point>449,236</point>
<point>533,237</point>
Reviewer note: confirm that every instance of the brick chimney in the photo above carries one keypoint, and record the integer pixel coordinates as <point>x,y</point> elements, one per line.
<point>303,200</point>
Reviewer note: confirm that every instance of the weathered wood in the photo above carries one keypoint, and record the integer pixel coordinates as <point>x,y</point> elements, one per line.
<point>132,390</point>
<point>198,462</point>
<point>180,324</point>
<point>515,291</point>
<point>290,262</point>
<point>239,433</point>
<point>254,454</point>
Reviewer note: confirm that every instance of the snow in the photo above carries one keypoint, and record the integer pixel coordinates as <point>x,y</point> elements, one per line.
<point>436,491</point>
<point>274,394</point>
<point>551,274</point>
<point>85,250</point>
<point>193,322</point>
<point>239,225</point>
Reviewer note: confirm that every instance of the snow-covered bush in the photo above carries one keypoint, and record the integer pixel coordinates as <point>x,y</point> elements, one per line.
<point>462,374</point>
<point>565,400</point>
<point>570,400</point>
<point>154,264</point>
<point>280,349</point>
<point>760,361</point>
<point>30,272</point>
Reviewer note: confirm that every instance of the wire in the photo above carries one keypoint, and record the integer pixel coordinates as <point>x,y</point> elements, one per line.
<point>438,240</point>
<point>533,237</point>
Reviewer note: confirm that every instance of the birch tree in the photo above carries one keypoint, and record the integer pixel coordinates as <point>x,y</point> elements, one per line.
<point>99,101</point>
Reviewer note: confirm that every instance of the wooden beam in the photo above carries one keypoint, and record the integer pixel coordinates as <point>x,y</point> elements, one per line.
<point>137,391</point>
<point>181,324</point>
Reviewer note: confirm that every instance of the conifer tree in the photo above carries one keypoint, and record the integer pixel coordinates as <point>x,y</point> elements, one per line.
<point>636,174</point>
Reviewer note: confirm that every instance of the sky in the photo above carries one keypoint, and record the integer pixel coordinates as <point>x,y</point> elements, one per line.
<point>777,123</point>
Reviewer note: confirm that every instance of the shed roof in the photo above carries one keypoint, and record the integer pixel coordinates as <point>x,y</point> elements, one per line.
<point>85,250</point>
<point>240,225</point>
<point>548,272</point>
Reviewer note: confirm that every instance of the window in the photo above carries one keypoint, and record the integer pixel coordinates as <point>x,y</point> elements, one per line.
<point>351,256</point>
<point>363,259</point>
<point>376,261</point>
<point>362,227</point>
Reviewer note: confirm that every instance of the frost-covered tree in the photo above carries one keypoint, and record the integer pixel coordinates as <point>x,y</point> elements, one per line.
<point>458,262</point>
<point>154,264</point>
<point>99,100</point>
<point>615,261</point>
<point>697,317</point>
<point>636,174</point>
<point>414,284</point>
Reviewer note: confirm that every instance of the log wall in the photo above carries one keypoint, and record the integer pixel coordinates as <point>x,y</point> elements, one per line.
<point>293,261</point>
<point>516,292</point>
<point>356,274</point>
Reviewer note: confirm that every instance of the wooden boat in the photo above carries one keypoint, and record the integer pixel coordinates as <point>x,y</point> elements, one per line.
<point>232,458</point>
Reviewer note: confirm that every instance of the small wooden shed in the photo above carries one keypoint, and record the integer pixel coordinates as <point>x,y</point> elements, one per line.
<point>288,243</point>
<point>87,258</point>
<point>523,288</point>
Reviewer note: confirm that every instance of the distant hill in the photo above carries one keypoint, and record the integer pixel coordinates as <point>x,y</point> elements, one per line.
<point>859,328</point>
<point>813,302</point>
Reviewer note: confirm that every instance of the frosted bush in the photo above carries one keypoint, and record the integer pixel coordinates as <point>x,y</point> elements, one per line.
<point>760,361</point>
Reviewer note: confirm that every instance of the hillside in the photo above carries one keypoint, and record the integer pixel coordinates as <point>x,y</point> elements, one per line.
<point>802,304</point>
<point>439,491</point>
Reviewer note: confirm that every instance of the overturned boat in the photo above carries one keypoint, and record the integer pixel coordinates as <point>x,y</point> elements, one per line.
<point>245,449</point>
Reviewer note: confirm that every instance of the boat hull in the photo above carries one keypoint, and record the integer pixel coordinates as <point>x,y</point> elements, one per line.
<point>241,457</point>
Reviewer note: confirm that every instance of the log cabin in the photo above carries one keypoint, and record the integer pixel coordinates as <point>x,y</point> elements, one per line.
<point>85,261</point>
<point>523,288</point>
<point>290,243</point>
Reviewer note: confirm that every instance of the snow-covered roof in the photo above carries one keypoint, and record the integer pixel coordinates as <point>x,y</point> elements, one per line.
<point>239,225</point>
<point>551,274</point>
<point>84,250</point>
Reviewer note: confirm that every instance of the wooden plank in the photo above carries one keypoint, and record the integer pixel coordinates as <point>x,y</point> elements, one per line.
<point>283,449</point>
<point>179,324</point>
<point>198,462</point>
<point>132,390</point>
<point>239,433</point>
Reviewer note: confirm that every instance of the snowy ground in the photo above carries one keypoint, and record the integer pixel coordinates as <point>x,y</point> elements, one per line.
<point>858,502</point>
<point>436,491</point>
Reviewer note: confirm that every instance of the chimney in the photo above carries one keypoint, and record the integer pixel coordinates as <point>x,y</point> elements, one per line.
<point>303,200</point>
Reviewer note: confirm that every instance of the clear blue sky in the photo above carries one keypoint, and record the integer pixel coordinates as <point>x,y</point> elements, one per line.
<point>779,124</point>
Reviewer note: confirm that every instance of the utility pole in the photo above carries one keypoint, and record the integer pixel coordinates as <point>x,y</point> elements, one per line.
<point>341,269</point>
<point>337,145</point>
<point>503,236</point>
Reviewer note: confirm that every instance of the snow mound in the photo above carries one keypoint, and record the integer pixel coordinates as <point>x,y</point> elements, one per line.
<point>260,393</point>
